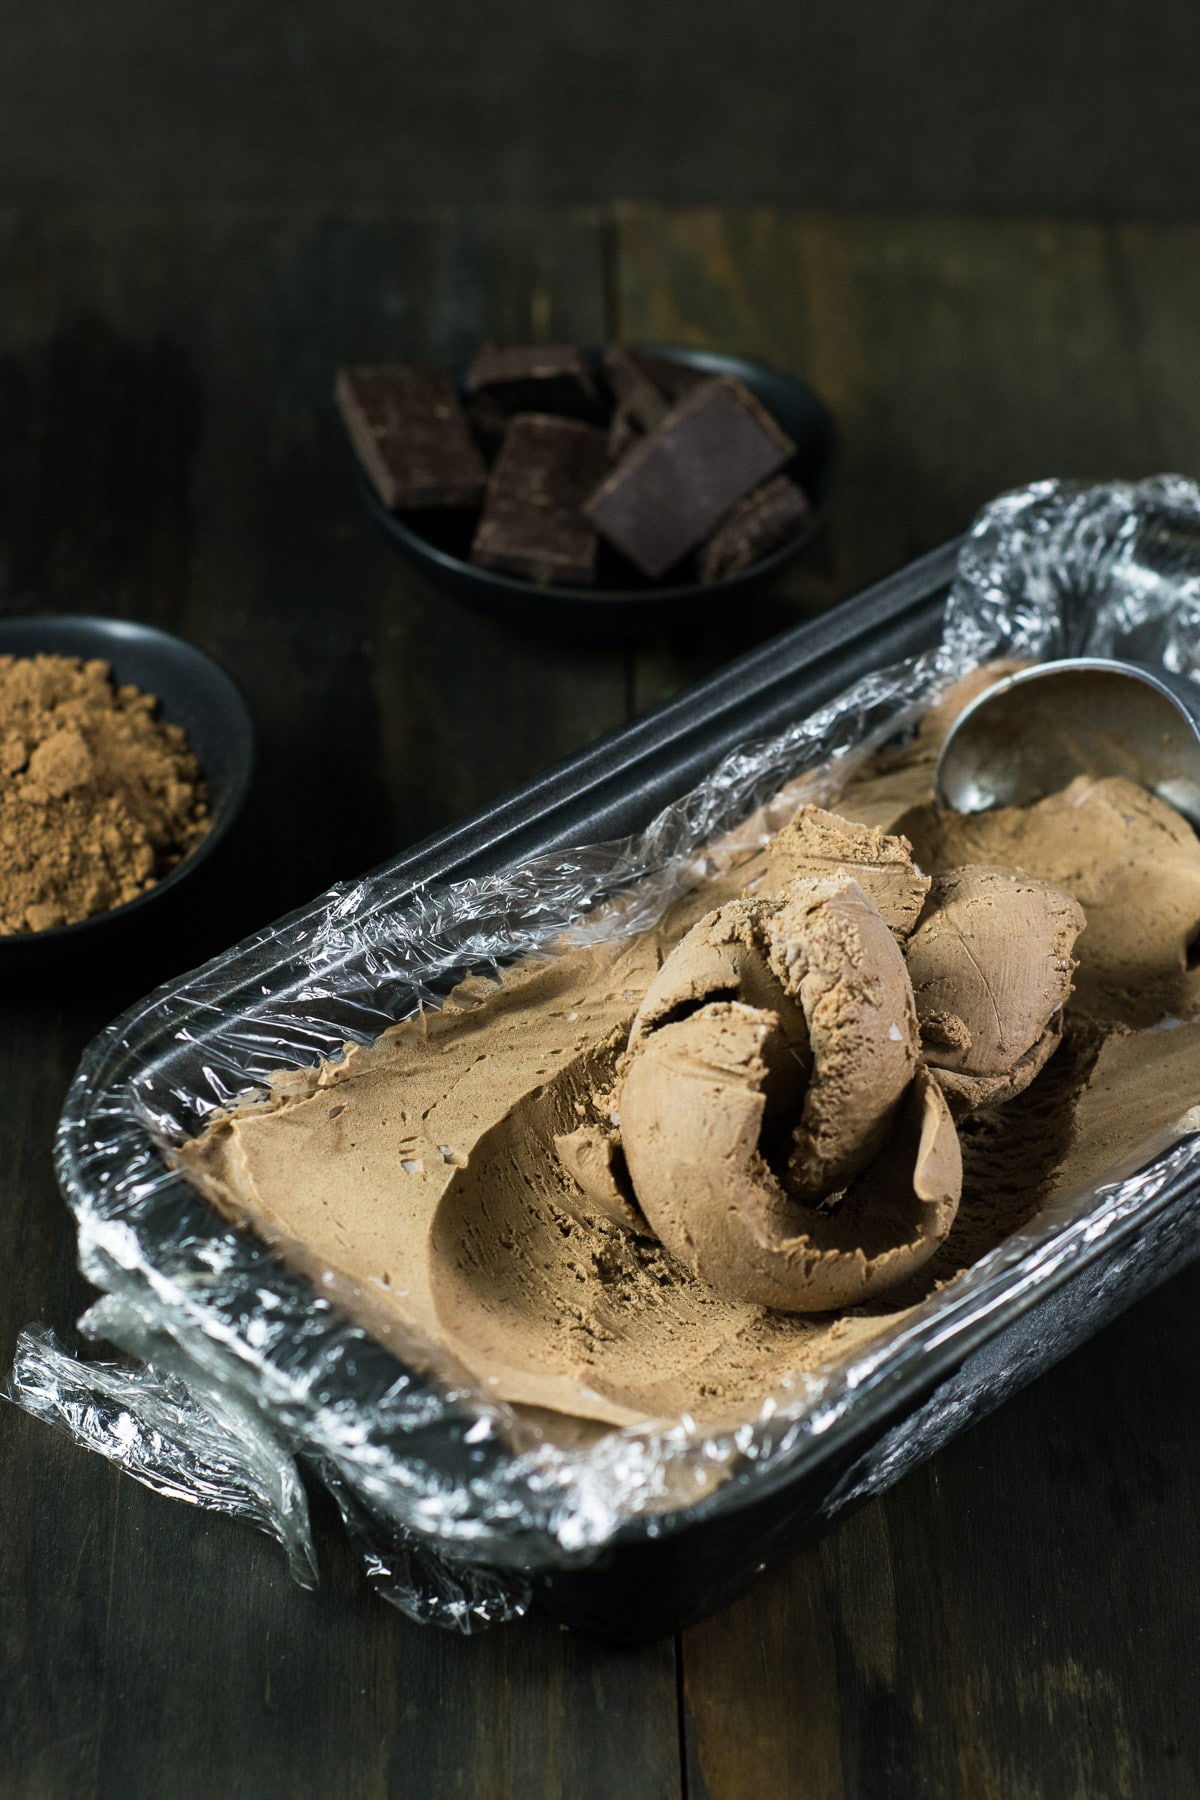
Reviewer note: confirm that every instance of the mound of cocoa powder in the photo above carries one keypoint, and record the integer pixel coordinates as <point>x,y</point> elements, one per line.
<point>99,798</point>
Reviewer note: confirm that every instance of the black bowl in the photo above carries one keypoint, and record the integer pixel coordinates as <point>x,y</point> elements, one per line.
<point>638,603</point>
<point>193,692</point>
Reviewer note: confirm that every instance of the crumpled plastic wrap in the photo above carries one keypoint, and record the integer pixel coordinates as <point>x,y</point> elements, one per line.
<point>243,1370</point>
<point>219,1455</point>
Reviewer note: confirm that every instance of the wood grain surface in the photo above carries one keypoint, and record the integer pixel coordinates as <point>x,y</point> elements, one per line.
<point>1020,1617</point>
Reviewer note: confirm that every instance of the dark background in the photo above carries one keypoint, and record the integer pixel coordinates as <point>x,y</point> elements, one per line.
<point>1016,106</point>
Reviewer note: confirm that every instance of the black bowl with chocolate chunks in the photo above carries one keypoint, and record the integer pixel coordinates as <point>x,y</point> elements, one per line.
<point>620,488</point>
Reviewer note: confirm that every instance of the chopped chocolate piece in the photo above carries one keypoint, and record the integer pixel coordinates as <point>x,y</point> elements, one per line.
<point>541,378</point>
<point>640,401</point>
<point>673,488</point>
<point>645,389</point>
<point>411,437</point>
<point>533,523</point>
<point>760,522</point>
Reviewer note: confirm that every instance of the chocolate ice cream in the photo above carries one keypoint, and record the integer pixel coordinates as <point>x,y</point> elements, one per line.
<point>419,1183</point>
<point>766,1069</point>
<point>834,950</point>
<point>990,964</point>
<point>817,842</point>
<point>693,1105</point>
<point>1130,860</point>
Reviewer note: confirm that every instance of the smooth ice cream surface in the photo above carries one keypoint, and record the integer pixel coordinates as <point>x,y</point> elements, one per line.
<point>422,1172</point>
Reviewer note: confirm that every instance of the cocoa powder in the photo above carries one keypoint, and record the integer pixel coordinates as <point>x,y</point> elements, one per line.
<point>99,798</point>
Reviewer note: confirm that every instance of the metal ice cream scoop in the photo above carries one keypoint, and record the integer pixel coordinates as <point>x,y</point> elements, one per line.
<point>1033,732</point>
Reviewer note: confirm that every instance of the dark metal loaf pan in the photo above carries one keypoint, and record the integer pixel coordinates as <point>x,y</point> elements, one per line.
<point>660,1573</point>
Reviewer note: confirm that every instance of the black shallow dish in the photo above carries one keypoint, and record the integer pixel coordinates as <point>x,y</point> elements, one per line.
<point>194,692</point>
<point>637,604</point>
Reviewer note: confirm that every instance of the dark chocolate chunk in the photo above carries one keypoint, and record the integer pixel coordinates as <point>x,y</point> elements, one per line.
<point>640,401</point>
<point>411,437</point>
<point>541,378</point>
<point>759,523</point>
<point>675,487</point>
<point>533,523</point>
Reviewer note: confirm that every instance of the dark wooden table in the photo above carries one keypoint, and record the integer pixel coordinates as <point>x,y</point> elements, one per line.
<point>1018,1618</point>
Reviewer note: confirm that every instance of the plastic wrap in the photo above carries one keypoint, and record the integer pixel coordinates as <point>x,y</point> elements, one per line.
<point>454,1501</point>
<point>220,1455</point>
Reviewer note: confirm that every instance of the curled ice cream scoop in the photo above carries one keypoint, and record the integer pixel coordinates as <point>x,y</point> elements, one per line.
<point>694,1100</point>
<point>758,1148</point>
<point>833,951</point>
<point>724,955</point>
<point>991,967</point>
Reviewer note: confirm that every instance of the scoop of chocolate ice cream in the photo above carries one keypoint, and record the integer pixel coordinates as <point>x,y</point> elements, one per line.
<point>1097,839</point>
<point>834,952</point>
<point>693,1106</point>
<point>754,1145</point>
<point>991,966</point>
